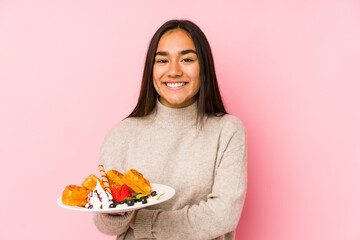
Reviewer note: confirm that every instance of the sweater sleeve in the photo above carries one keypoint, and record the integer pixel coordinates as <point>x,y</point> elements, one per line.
<point>216,216</point>
<point>112,225</point>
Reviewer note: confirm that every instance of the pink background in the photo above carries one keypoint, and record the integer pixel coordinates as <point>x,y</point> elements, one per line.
<point>70,70</point>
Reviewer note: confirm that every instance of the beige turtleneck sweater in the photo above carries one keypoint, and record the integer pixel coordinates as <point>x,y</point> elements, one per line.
<point>207,167</point>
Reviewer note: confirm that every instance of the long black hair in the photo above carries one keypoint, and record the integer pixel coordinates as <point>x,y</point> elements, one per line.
<point>208,97</point>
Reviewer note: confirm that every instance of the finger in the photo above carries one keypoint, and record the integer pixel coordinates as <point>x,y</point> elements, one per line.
<point>122,213</point>
<point>118,213</point>
<point>115,214</point>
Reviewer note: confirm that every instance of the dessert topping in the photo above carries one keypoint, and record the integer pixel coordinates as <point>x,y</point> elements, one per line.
<point>98,198</point>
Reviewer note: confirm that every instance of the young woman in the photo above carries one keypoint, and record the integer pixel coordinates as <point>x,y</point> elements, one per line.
<point>180,135</point>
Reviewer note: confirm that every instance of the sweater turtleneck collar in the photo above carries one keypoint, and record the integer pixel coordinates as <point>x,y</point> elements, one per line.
<point>175,117</point>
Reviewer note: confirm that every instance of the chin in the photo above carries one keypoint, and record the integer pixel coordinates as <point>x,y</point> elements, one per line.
<point>176,102</point>
<point>180,104</point>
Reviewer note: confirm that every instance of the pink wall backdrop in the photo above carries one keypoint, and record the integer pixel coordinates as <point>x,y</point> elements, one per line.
<point>70,70</point>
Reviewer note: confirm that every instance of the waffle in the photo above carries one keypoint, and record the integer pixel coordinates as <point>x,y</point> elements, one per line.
<point>91,181</point>
<point>135,180</point>
<point>74,195</point>
<point>115,178</point>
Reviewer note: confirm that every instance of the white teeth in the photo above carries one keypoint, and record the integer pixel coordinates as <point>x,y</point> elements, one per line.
<point>175,84</point>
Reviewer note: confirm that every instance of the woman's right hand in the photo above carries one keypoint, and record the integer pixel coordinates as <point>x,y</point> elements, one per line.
<point>117,213</point>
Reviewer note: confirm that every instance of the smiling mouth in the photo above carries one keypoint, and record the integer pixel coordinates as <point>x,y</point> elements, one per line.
<point>175,85</point>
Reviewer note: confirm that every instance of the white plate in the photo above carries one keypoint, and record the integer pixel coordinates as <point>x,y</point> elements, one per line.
<point>169,192</point>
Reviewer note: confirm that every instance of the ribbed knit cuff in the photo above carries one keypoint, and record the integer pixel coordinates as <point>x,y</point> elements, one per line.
<point>143,224</point>
<point>112,224</point>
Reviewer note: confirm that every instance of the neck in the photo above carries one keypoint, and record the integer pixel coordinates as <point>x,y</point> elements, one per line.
<point>175,117</point>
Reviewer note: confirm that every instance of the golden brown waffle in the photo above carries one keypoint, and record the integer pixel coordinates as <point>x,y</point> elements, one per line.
<point>135,180</point>
<point>90,182</point>
<point>74,195</point>
<point>115,178</point>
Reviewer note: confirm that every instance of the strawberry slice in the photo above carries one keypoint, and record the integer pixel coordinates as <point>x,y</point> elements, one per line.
<point>124,192</point>
<point>115,191</point>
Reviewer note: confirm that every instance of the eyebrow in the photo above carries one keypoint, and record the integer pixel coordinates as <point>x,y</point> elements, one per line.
<point>183,52</point>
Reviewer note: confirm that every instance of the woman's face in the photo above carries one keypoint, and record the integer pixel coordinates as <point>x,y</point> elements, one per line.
<point>176,72</point>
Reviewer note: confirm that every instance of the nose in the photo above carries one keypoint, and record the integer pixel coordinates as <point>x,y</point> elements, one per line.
<point>174,69</point>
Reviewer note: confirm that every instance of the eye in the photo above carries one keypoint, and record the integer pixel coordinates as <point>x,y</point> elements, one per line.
<point>161,61</point>
<point>187,60</point>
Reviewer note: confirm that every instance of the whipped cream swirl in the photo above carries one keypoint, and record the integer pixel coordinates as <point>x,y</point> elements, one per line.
<point>98,198</point>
